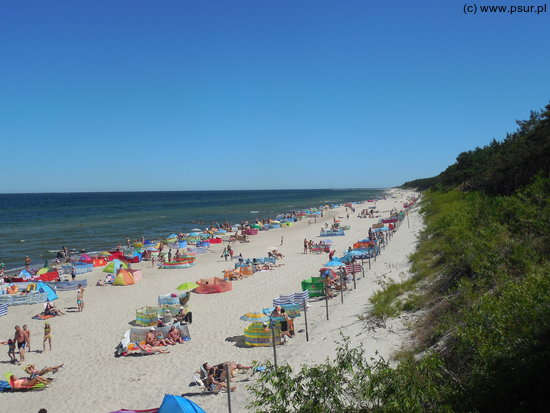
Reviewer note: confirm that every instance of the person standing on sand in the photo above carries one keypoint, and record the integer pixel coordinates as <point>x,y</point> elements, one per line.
<point>230,250</point>
<point>19,338</point>
<point>80,298</point>
<point>47,336</point>
<point>73,273</point>
<point>305,245</point>
<point>27,333</point>
<point>281,240</point>
<point>27,263</point>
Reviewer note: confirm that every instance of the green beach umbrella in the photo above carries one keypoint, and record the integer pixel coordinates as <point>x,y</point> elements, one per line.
<point>187,286</point>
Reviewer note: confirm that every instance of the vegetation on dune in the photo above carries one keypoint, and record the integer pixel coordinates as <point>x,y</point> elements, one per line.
<point>481,276</point>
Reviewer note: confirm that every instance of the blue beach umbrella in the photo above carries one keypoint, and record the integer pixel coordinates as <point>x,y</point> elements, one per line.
<point>334,263</point>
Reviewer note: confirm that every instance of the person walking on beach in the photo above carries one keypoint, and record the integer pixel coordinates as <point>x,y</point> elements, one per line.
<point>73,273</point>
<point>305,245</point>
<point>80,298</point>
<point>27,333</point>
<point>11,349</point>
<point>225,254</point>
<point>47,336</point>
<point>230,250</point>
<point>19,338</point>
<point>281,240</point>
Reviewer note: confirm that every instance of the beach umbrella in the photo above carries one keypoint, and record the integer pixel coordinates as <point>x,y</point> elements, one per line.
<point>255,317</point>
<point>334,263</point>
<point>187,286</point>
<point>327,272</point>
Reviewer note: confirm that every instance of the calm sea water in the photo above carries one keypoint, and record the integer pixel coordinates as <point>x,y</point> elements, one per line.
<point>37,224</point>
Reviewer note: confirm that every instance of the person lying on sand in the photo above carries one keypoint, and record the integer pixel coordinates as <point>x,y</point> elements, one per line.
<point>152,349</point>
<point>33,372</point>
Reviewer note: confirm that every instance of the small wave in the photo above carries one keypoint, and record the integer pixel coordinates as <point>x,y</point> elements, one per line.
<point>254,212</point>
<point>21,240</point>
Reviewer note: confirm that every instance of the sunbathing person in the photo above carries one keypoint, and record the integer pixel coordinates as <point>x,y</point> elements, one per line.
<point>175,335</point>
<point>233,368</point>
<point>214,381</point>
<point>277,255</point>
<point>184,315</point>
<point>26,383</point>
<point>152,349</point>
<point>34,372</point>
<point>51,309</point>
<point>154,339</point>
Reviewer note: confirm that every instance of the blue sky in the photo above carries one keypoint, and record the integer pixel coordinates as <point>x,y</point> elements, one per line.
<point>186,94</point>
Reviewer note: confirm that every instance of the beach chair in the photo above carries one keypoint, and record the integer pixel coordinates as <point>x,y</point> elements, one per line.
<point>16,387</point>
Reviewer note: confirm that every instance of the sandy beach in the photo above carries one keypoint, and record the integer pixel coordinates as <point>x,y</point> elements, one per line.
<point>94,381</point>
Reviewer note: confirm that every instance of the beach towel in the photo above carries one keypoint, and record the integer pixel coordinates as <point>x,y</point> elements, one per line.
<point>43,316</point>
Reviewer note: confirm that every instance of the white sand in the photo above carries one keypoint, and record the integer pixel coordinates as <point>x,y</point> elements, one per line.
<point>93,380</point>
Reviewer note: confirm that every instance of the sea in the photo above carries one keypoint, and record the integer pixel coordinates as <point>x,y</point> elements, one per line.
<point>39,225</point>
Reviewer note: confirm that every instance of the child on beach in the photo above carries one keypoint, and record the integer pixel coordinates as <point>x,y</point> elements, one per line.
<point>11,349</point>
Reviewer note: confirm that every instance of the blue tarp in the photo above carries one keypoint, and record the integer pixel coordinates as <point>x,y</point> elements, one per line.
<point>178,404</point>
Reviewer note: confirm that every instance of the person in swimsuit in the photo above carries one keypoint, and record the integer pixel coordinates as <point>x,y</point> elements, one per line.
<point>80,298</point>
<point>47,336</point>
<point>19,338</point>
<point>27,336</point>
<point>26,383</point>
<point>11,349</point>
<point>33,372</point>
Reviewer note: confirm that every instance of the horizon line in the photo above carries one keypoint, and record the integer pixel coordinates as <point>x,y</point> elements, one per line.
<point>192,190</point>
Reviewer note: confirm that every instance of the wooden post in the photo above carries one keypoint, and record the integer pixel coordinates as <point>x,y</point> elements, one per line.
<point>341,287</point>
<point>354,284</point>
<point>408,224</point>
<point>228,384</point>
<point>326,295</point>
<point>273,340</point>
<point>305,317</point>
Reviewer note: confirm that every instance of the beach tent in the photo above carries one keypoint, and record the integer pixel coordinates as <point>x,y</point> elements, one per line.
<point>45,288</point>
<point>124,277</point>
<point>114,265</point>
<point>177,404</point>
<point>25,274</point>
<point>85,258</point>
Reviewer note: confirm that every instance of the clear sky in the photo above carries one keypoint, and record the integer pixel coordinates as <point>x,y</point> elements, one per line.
<point>260,94</point>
